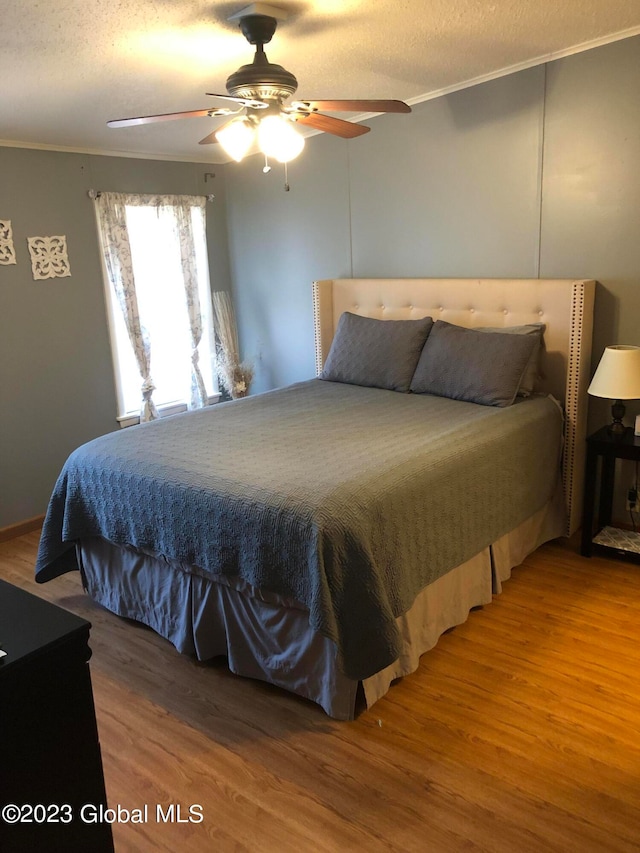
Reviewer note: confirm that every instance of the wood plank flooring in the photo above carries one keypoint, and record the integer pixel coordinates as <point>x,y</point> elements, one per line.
<point>519,732</point>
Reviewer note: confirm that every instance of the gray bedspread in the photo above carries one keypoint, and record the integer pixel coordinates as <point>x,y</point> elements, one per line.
<point>346,499</point>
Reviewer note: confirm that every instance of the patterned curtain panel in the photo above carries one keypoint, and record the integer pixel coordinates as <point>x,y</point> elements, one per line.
<point>117,255</point>
<point>184,211</point>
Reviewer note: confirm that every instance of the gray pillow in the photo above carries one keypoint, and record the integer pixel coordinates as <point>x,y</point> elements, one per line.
<point>376,353</point>
<point>466,364</point>
<point>531,371</point>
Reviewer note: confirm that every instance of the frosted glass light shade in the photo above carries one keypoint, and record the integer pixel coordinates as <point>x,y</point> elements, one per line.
<point>278,138</point>
<point>236,137</point>
<point>618,374</point>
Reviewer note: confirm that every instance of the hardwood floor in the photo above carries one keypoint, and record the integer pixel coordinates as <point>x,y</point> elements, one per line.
<point>519,732</point>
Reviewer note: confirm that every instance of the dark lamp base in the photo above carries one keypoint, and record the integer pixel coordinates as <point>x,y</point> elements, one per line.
<point>617,412</point>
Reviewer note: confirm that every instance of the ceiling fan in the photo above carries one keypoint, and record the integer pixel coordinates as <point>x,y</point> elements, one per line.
<point>260,92</point>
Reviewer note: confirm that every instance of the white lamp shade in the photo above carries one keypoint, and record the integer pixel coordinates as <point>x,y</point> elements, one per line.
<point>278,138</point>
<point>618,374</point>
<point>236,137</point>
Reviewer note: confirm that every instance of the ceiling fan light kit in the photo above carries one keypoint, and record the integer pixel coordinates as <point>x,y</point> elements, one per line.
<point>261,89</point>
<point>278,138</point>
<point>236,137</point>
<point>275,135</point>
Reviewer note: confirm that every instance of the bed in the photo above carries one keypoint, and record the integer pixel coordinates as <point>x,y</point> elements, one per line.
<point>324,535</point>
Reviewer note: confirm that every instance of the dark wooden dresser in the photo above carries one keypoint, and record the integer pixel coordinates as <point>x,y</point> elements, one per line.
<point>50,762</point>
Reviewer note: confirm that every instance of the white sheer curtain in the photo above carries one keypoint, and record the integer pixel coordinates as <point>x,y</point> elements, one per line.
<point>112,217</point>
<point>180,211</point>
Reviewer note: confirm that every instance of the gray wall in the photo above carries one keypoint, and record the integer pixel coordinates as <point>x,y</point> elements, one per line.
<point>452,190</point>
<point>279,241</point>
<point>532,174</point>
<point>56,380</point>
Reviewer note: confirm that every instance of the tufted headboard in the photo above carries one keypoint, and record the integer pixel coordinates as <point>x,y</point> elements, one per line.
<point>565,307</point>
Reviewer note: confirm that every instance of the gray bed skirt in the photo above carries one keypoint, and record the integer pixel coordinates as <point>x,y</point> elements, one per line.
<point>269,638</point>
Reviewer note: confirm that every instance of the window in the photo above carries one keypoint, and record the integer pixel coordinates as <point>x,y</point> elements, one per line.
<point>159,303</point>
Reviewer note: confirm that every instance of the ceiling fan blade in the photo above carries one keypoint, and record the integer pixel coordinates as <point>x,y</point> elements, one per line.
<point>354,106</point>
<point>328,124</point>
<point>129,122</point>
<point>209,138</point>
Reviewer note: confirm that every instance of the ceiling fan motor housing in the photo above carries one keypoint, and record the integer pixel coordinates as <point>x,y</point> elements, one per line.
<point>261,80</point>
<point>258,29</point>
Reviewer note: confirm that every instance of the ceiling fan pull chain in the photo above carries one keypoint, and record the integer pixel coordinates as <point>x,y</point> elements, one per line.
<point>286,178</point>
<point>266,168</point>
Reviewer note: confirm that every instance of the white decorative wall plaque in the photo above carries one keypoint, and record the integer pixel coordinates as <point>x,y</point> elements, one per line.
<point>49,257</point>
<point>7,249</point>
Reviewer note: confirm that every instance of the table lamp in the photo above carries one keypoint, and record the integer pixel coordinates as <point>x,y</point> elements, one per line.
<point>617,378</point>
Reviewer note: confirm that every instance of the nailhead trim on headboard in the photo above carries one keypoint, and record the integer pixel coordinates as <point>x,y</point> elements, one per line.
<point>578,365</point>
<point>316,328</point>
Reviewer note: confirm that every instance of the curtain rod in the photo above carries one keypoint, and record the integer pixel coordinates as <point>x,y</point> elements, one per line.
<point>94,194</point>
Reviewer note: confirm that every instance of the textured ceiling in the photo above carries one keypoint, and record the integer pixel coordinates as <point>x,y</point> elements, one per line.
<point>68,66</point>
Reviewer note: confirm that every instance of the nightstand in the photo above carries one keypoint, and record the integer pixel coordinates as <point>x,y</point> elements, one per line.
<point>50,761</point>
<point>605,539</point>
